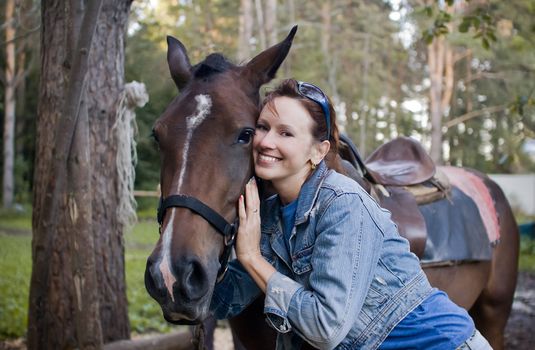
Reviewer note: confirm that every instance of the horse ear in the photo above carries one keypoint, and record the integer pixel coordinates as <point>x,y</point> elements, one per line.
<point>264,66</point>
<point>178,61</point>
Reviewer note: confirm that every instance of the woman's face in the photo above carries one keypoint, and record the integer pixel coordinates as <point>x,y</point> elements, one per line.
<point>283,144</point>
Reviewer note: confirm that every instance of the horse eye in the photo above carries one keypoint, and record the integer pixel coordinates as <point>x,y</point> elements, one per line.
<point>245,136</point>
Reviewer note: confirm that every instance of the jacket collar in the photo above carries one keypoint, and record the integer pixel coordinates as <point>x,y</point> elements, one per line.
<point>306,199</point>
<point>309,193</point>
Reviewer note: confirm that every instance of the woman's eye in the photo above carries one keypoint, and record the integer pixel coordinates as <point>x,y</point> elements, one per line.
<point>245,136</point>
<point>261,127</point>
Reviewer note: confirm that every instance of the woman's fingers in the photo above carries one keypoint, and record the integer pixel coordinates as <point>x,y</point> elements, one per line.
<point>251,196</point>
<point>241,209</point>
<point>249,205</point>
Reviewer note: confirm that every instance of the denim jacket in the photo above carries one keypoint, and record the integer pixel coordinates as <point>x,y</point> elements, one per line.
<point>347,279</point>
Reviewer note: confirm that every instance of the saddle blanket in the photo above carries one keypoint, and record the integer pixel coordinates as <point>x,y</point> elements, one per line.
<point>455,230</point>
<point>474,187</point>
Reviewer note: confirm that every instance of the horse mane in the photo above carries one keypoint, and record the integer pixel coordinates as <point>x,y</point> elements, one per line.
<point>214,63</point>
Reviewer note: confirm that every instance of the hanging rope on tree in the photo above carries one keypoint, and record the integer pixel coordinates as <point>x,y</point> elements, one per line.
<point>125,129</point>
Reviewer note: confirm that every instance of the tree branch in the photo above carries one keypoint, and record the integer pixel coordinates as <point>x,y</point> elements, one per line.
<point>28,33</point>
<point>473,114</point>
<point>485,75</point>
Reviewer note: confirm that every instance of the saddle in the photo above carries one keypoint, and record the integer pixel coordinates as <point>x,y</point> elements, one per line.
<point>401,176</point>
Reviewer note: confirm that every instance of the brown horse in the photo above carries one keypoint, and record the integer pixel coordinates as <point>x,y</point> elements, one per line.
<point>205,137</point>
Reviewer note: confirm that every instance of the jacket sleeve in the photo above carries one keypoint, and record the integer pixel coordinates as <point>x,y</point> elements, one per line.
<point>234,292</point>
<point>345,254</point>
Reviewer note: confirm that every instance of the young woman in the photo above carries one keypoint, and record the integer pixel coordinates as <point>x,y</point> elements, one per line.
<point>334,270</point>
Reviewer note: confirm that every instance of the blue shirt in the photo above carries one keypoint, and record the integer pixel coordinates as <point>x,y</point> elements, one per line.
<point>288,220</point>
<point>436,324</point>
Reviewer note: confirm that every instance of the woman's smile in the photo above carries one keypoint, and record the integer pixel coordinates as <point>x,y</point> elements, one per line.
<point>265,159</point>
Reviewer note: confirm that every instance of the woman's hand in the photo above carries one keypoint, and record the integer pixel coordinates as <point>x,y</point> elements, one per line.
<point>248,236</point>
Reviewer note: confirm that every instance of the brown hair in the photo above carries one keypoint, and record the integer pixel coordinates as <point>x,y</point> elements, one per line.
<point>288,88</point>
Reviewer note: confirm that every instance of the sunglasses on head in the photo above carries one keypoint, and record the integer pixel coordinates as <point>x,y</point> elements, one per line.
<point>314,93</point>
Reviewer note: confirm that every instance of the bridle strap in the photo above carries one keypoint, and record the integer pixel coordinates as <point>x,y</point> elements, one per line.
<point>197,207</point>
<point>217,221</point>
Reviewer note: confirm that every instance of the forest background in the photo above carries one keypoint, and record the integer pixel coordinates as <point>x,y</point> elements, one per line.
<point>456,75</point>
<point>371,57</point>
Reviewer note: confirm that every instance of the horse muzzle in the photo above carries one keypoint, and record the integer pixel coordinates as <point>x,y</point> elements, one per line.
<point>185,296</point>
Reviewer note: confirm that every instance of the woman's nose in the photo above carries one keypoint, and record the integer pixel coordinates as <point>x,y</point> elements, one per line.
<point>266,140</point>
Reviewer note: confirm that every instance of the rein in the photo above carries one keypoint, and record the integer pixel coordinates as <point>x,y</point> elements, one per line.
<point>217,221</point>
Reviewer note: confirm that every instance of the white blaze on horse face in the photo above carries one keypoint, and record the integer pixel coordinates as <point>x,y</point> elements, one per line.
<point>204,105</point>
<point>165,262</point>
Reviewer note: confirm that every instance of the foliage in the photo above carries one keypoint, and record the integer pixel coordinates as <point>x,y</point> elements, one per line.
<point>202,26</point>
<point>492,83</point>
<point>370,63</point>
<point>527,254</point>
<point>479,19</point>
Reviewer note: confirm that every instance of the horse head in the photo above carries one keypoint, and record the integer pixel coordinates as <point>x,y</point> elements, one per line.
<point>205,139</point>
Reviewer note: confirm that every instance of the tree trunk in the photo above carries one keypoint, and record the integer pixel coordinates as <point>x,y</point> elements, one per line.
<point>105,84</point>
<point>290,8</point>
<point>326,34</point>
<point>271,22</point>
<point>77,290</point>
<point>9,108</point>
<point>435,59</point>
<point>261,27</point>
<point>363,112</point>
<point>246,30</point>
<point>441,64</point>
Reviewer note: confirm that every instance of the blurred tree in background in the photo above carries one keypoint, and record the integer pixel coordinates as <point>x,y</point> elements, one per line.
<point>371,57</point>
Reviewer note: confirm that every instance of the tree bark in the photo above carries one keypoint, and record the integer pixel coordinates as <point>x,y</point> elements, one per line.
<point>246,30</point>
<point>363,125</point>
<point>261,26</point>
<point>9,108</point>
<point>435,59</point>
<point>326,34</point>
<point>271,22</point>
<point>104,85</point>
<point>290,8</point>
<point>74,278</point>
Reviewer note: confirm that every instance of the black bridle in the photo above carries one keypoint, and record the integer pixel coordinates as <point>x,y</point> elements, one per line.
<point>222,226</point>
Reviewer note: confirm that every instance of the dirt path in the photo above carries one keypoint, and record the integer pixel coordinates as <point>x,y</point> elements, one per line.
<point>520,332</point>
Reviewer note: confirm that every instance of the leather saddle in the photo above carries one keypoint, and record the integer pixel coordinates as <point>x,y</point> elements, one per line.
<point>400,175</point>
<point>400,162</point>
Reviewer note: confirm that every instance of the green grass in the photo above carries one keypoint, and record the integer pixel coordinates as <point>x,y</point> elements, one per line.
<point>144,313</point>
<point>15,265</point>
<point>11,220</point>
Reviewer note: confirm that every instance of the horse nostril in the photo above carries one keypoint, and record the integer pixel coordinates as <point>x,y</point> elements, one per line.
<point>154,281</point>
<point>195,280</point>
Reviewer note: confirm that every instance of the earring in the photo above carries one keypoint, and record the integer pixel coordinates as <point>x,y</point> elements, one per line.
<point>312,165</point>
